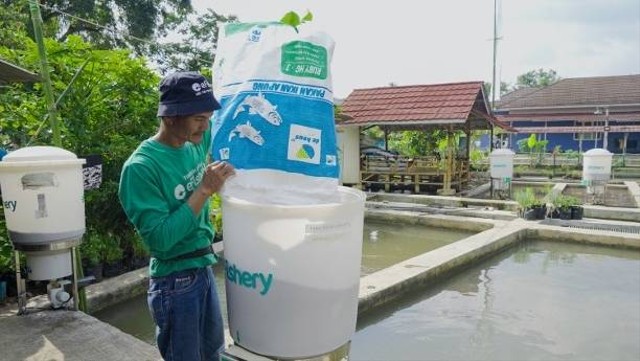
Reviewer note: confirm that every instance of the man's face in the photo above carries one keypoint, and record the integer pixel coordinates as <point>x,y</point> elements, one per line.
<point>192,127</point>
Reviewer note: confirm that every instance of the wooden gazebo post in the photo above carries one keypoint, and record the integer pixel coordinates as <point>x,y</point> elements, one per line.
<point>468,161</point>
<point>450,167</point>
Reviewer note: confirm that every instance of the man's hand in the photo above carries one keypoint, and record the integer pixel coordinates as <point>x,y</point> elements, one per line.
<point>215,174</point>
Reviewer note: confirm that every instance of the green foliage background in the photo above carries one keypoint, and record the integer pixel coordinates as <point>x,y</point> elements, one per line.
<point>108,110</point>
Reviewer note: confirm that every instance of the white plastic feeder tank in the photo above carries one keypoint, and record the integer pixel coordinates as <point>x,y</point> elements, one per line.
<point>501,168</point>
<point>596,169</point>
<point>292,274</point>
<point>42,195</point>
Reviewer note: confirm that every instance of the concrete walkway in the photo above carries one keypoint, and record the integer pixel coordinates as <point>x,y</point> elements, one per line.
<point>67,336</point>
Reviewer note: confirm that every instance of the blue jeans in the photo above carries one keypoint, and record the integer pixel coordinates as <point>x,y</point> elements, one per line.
<point>186,310</point>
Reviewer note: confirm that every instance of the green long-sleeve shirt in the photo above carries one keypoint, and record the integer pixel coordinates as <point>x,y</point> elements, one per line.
<point>155,184</point>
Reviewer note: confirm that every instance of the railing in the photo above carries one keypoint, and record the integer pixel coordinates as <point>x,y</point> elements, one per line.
<point>410,172</point>
<point>547,159</point>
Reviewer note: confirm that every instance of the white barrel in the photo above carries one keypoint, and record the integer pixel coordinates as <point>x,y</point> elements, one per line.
<point>501,167</point>
<point>43,200</point>
<point>49,265</point>
<point>292,274</point>
<point>596,165</point>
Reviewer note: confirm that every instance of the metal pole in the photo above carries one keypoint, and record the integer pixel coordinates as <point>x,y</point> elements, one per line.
<point>76,294</point>
<point>605,133</point>
<point>36,19</point>
<point>491,140</point>
<point>495,51</point>
<point>624,148</point>
<point>20,287</point>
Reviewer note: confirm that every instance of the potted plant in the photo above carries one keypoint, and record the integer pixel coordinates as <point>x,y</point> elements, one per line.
<point>216,217</point>
<point>530,208</point>
<point>539,208</point>
<point>565,205</point>
<point>90,251</point>
<point>576,209</point>
<point>140,257</point>
<point>111,255</point>
<point>7,268</point>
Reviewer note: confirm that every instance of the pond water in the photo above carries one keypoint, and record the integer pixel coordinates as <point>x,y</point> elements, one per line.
<point>536,301</point>
<point>384,244</point>
<point>132,316</point>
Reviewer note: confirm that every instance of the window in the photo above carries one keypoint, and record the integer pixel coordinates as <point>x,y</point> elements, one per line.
<point>586,136</point>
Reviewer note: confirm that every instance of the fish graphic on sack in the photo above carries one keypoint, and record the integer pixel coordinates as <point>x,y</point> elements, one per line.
<point>258,104</point>
<point>247,131</point>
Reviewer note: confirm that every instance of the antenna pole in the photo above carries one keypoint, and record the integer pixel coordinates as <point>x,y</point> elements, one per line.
<point>495,50</point>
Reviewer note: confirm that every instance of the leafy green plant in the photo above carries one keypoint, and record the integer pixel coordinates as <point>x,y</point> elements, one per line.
<point>140,249</point>
<point>534,147</point>
<point>478,160</point>
<point>575,174</point>
<point>565,202</point>
<point>6,255</point>
<point>111,251</point>
<point>293,19</point>
<point>215,214</point>
<point>108,110</point>
<point>91,248</point>
<point>520,170</point>
<point>6,248</point>
<point>526,198</point>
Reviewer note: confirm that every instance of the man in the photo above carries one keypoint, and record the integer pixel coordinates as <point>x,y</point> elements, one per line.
<point>164,189</point>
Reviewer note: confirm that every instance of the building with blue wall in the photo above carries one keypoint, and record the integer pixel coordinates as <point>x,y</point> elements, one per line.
<point>576,113</point>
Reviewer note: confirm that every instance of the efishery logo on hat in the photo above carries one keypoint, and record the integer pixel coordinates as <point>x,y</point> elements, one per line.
<point>201,88</point>
<point>185,93</point>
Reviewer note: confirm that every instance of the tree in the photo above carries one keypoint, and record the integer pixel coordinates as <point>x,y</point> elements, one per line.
<point>107,110</point>
<point>14,24</point>
<point>111,23</point>
<point>416,142</point>
<point>197,49</point>
<point>504,88</point>
<point>146,27</point>
<point>537,79</point>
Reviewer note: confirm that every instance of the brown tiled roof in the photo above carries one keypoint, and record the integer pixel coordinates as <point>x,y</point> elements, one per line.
<point>10,73</point>
<point>594,91</point>
<point>579,117</point>
<point>515,94</point>
<point>415,104</point>
<point>580,129</point>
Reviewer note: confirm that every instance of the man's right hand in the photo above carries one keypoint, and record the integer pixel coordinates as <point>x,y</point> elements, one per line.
<point>215,174</point>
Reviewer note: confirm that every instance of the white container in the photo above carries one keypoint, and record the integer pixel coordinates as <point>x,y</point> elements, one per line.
<point>501,167</point>
<point>596,171</point>
<point>42,194</point>
<point>292,274</point>
<point>596,165</point>
<point>50,265</point>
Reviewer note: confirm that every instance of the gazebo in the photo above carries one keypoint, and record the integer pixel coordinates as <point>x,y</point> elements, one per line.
<point>452,107</point>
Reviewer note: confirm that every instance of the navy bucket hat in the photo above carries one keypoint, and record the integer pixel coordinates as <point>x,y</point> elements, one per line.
<point>185,93</point>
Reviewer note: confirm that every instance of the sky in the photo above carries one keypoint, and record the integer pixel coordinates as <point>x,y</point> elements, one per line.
<point>409,42</point>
